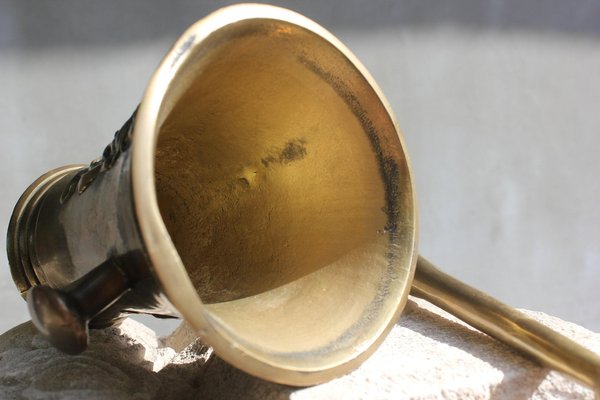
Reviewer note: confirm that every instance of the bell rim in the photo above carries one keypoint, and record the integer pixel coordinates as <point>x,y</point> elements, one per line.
<point>166,263</point>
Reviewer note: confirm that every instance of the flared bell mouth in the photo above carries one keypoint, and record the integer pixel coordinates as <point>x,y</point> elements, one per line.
<point>273,195</point>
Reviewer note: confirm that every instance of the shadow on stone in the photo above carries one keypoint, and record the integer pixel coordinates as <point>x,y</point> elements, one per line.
<point>219,380</point>
<point>113,367</point>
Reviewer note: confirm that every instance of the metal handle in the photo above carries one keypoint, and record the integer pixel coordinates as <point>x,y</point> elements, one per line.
<point>506,324</point>
<point>63,315</point>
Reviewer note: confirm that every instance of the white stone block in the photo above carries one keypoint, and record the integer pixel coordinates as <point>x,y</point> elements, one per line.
<point>428,355</point>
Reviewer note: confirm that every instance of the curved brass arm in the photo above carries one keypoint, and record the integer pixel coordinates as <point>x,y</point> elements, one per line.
<point>506,324</point>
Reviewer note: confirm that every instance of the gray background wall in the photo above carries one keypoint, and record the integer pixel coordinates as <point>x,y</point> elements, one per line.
<point>499,102</point>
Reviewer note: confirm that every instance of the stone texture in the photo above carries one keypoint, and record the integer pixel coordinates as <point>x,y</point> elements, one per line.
<point>428,355</point>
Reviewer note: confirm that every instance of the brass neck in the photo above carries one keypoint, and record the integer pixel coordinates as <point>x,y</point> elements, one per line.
<point>24,267</point>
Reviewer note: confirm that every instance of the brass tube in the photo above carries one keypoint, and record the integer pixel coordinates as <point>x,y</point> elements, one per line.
<point>506,324</point>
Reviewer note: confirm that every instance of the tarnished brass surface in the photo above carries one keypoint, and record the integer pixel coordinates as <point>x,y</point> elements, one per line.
<point>262,192</point>
<point>272,185</point>
<point>283,185</point>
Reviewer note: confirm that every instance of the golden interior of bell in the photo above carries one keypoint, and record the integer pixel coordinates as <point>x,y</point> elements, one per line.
<point>284,188</point>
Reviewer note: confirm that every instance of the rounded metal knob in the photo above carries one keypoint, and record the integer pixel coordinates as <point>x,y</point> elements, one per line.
<point>63,315</point>
<point>57,320</point>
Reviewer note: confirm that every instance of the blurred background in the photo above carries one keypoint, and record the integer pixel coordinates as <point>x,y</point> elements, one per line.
<point>499,102</point>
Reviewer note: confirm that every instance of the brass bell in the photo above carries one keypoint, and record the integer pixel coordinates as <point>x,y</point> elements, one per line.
<point>262,192</point>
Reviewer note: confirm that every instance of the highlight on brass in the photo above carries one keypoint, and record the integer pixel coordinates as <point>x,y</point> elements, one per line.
<point>262,192</point>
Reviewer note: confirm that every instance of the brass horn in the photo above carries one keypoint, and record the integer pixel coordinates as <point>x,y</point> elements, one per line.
<point>262,192</point>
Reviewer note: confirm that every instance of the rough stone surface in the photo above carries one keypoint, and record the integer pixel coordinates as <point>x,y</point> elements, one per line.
<point>428,355</point>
